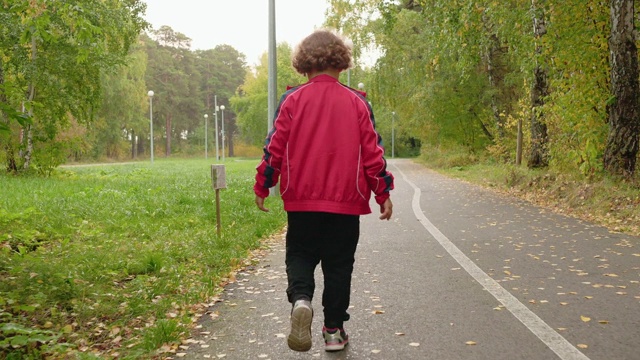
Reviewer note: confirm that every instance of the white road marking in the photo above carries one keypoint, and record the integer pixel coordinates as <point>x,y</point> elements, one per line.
<point>558,344</point>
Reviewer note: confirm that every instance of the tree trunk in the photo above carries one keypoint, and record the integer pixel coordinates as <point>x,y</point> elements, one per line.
<point>232,129</point>
<point>539,156</point>
<point>32,94</point>
<point>621,151</point>
<point>168,134</point>
<point>494,54</point>
<point>133,144</point>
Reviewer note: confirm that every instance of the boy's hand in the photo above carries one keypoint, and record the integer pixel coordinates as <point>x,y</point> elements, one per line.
<point>260,203</point>
<point>386,210</point>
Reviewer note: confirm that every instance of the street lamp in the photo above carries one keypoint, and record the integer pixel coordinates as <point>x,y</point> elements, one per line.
<point>393,134</point>
<point>222,133</point>
<point>216,132</point>
<point>150,95</point>
<point>361,86</point>
<point>206,141</point>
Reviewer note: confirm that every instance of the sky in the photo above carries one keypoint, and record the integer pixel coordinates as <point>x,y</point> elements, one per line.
<point>243,24</point>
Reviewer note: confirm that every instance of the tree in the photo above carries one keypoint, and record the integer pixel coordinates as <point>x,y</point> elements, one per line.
<point>223,70</point>
<point>54,54</point>
<point>121,115</point>
<point>172,76</point>
<point>538,156</point>
<point>624,125</point>
<point>250,101</point>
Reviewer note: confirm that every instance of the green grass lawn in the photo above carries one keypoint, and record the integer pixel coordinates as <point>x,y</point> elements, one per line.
<point>118,259</point>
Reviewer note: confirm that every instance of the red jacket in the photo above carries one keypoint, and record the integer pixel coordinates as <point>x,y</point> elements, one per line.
<point>324,147</point>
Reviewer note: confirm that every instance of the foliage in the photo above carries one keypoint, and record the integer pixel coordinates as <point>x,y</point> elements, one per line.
<point>251,100</point>
<point>458,73</point>
<point>62,49</point>
<point>116,259</point>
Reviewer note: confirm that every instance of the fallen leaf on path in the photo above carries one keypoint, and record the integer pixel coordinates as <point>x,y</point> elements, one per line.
<point>375,351</point>
<point>564,303</point>
<point>585,318</point>
<point>414,344</point>
<point>611,275</point>
<point>604,322</point>
<point>583,346</point>
<point>471,343</point>
<point>377,312</point>
<point>281,335</point>
<point>399,334</point>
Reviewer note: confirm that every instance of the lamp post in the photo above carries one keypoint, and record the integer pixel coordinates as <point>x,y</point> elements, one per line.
<point>206,141</point>
<point>222,133</point>
<point>150,95</point>
<point>215,100</point>
<point>393,135</point>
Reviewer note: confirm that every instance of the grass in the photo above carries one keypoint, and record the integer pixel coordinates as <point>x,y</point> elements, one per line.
<point>117,260</point>
<point>601,199</point>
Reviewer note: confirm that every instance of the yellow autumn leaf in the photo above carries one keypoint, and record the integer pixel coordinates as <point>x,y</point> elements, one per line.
<point>471,343</point>
<point>603,321</point>
<point>583,346</point>
<point>585,318</point>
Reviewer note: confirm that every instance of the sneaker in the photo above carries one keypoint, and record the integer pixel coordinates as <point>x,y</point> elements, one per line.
<point>334,339</point>
<point>301,315</point>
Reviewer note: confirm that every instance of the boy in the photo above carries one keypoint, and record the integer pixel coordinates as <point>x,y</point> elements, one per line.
<point>324,149</point>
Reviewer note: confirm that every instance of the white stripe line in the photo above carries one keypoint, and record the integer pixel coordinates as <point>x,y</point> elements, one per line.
<point>544,332</point>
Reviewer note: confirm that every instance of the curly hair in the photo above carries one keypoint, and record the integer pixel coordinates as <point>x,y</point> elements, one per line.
<point>323,49</point>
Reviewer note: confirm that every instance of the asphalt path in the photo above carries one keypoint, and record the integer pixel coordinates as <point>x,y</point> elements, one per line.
<point>460,272</point>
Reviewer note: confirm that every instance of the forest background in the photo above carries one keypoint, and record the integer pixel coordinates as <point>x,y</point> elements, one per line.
<point>552,82</point>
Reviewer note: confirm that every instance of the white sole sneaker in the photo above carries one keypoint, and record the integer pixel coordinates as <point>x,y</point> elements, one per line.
<point>301,316</point>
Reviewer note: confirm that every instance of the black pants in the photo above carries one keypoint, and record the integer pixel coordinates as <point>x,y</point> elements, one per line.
<point>314,237</point>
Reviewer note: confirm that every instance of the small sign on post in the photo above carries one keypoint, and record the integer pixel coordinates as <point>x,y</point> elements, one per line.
<point>219,181</point>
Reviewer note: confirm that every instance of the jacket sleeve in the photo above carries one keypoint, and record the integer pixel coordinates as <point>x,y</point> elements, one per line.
<point>268,170</point>
<point>375,166</point>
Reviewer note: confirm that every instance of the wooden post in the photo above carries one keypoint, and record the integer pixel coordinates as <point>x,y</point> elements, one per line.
<point>219,181</point>
<point>218,211</point>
